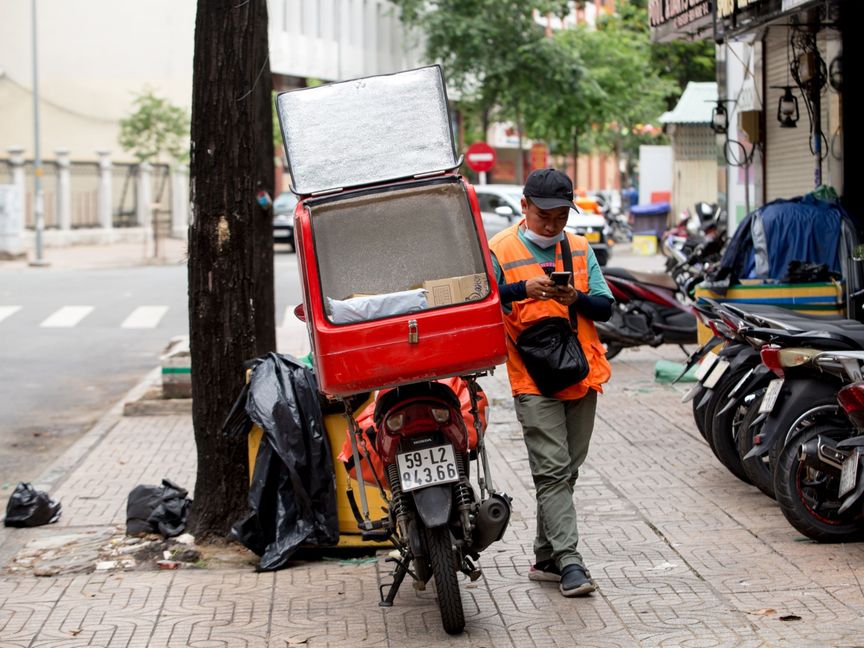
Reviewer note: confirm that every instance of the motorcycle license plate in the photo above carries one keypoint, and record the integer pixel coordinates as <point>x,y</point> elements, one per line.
<point>716,374</point>
<point>592,237</point>
<point>849,473</point>
<point>427,467</point>
<point>706,364</point>
<point>770,396</point>
<point>690,393</point>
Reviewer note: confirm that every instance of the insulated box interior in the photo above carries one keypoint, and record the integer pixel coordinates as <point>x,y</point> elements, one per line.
<point>378,245</point>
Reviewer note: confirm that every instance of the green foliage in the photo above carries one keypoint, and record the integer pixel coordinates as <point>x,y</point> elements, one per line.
<point>155,129</point>
<point>580,89</point>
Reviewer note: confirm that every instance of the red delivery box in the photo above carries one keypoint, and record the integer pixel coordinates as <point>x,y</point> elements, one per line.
<point>397,280</point>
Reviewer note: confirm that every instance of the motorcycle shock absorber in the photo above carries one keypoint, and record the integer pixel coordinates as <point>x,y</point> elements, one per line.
<point>397,500</point>
<point>464,497</point>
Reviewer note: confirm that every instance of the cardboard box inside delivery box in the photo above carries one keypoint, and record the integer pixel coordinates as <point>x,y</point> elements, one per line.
<point>456,290</point>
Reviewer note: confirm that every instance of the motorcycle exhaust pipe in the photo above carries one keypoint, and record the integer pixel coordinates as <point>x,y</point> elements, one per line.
<point>493,515</point>
<point>822,454</point>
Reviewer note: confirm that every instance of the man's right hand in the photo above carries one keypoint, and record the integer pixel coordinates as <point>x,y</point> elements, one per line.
<point>541,288</point>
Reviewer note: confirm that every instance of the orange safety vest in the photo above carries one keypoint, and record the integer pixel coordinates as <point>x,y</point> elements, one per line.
<point>519,264</point>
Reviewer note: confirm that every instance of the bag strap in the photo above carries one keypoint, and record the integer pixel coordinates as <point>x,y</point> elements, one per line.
<point>567,259</point>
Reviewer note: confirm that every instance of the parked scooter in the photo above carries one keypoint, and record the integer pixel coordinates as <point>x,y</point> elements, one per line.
<point>647,311</point>
<point>437,521</point>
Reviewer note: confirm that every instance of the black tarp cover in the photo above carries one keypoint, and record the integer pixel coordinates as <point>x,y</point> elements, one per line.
<point>293,489</point>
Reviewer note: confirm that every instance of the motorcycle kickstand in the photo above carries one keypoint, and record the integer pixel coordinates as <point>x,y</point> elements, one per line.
<point>398,576</point>
<point>471,570</point>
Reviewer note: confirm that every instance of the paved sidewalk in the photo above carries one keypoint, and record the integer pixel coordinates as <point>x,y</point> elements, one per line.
<point>684,553</point>
<point>113,255</point>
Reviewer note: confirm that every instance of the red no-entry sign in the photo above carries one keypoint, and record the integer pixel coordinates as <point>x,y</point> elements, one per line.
<point>480,157</point>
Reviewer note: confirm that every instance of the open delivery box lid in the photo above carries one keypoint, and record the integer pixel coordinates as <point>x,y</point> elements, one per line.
<point>367,131</point>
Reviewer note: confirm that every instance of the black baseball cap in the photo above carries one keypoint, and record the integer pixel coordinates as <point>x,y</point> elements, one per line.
<point>549,188</point>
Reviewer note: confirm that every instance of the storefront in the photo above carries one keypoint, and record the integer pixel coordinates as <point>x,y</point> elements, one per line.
<point>781,80</point>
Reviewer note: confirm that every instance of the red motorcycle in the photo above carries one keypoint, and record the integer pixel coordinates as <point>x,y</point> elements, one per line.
<point>420,447</point>
<point>650,308</point>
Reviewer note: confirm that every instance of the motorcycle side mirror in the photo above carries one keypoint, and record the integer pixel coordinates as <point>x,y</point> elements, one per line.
<point>505,211</point>
<point>300,312</point>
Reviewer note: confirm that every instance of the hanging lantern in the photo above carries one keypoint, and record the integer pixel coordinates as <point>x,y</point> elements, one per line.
<point>787,109</point>
<point>719,118</point>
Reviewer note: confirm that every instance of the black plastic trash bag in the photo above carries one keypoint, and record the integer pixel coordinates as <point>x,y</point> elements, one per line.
<point>28,507</point>
<point>157,509</point>
<point>293,490</point>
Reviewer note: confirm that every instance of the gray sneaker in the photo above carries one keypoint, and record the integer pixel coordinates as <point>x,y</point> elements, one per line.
<point>545,571</point>
<point>576,581</point>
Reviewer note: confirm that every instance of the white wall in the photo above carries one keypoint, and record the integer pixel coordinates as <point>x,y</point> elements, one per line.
<point>655,171</point>
<point>744,88</point>
<point>94,55</point>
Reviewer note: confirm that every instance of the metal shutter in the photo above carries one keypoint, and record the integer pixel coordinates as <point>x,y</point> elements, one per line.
<point>789,165</point>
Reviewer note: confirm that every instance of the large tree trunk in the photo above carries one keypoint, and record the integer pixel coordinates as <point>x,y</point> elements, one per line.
<point>231,301</point>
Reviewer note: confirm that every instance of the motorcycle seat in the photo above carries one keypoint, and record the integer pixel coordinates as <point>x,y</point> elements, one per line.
<point>770,311</point>
<point>660,279</point>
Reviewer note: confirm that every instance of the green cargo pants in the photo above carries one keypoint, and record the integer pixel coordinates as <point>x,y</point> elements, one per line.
<point>557,433</point>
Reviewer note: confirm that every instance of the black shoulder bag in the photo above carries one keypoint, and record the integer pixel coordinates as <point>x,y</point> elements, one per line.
<point>550,348</point>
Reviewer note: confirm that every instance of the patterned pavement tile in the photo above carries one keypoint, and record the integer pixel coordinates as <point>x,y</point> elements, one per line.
<point>685,555</point>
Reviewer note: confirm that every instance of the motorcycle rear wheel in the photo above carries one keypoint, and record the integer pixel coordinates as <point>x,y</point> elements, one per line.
<point>725,427</point>
<point>758,469</point>
<point>808,496</point>
<point>444,570</point>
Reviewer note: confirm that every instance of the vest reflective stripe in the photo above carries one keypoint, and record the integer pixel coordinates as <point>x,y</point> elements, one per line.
<point>518,264</point>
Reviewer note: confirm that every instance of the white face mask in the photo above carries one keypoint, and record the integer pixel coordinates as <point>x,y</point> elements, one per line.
<point>543,241</point>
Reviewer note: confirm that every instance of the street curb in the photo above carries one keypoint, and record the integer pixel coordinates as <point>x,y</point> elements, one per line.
<point>66,463</point>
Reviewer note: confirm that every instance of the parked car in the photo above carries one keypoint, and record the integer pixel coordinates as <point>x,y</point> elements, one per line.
<point>500,207</point>
<point>283,218</point>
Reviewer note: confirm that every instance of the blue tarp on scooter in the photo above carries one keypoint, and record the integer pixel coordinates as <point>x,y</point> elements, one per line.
<point>804,229</point>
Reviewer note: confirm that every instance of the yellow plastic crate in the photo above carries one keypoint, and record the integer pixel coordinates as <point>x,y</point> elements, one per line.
<point>809,299</point>
<point>644,244</point>
<point>349,534</point>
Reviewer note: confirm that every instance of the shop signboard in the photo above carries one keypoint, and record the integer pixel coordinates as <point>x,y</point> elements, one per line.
<point>680,19</point>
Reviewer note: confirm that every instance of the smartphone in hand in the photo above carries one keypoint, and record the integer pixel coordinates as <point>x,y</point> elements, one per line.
<point>561,278</point>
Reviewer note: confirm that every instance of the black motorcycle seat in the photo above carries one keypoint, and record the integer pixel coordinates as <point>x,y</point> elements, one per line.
<point>783,314</point>
<point>825,337</point>
<point>660,279</point>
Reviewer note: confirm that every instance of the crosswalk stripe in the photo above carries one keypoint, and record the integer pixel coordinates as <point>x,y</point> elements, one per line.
<point>6,311</point>
<point>145,317</point>
<point>67,317</point>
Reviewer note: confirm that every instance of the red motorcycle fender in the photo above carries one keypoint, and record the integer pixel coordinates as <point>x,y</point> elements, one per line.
<point>433,504</point>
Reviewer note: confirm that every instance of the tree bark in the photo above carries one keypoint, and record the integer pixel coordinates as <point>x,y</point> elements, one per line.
<point>231,301</point>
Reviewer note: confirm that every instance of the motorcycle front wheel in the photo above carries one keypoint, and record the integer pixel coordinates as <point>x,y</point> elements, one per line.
<point>444,569</point>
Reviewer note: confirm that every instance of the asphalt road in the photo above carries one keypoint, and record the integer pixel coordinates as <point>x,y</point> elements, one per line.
<point>74,341</point>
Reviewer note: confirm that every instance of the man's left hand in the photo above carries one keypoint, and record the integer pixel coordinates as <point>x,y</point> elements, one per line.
<point>566,295</point>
